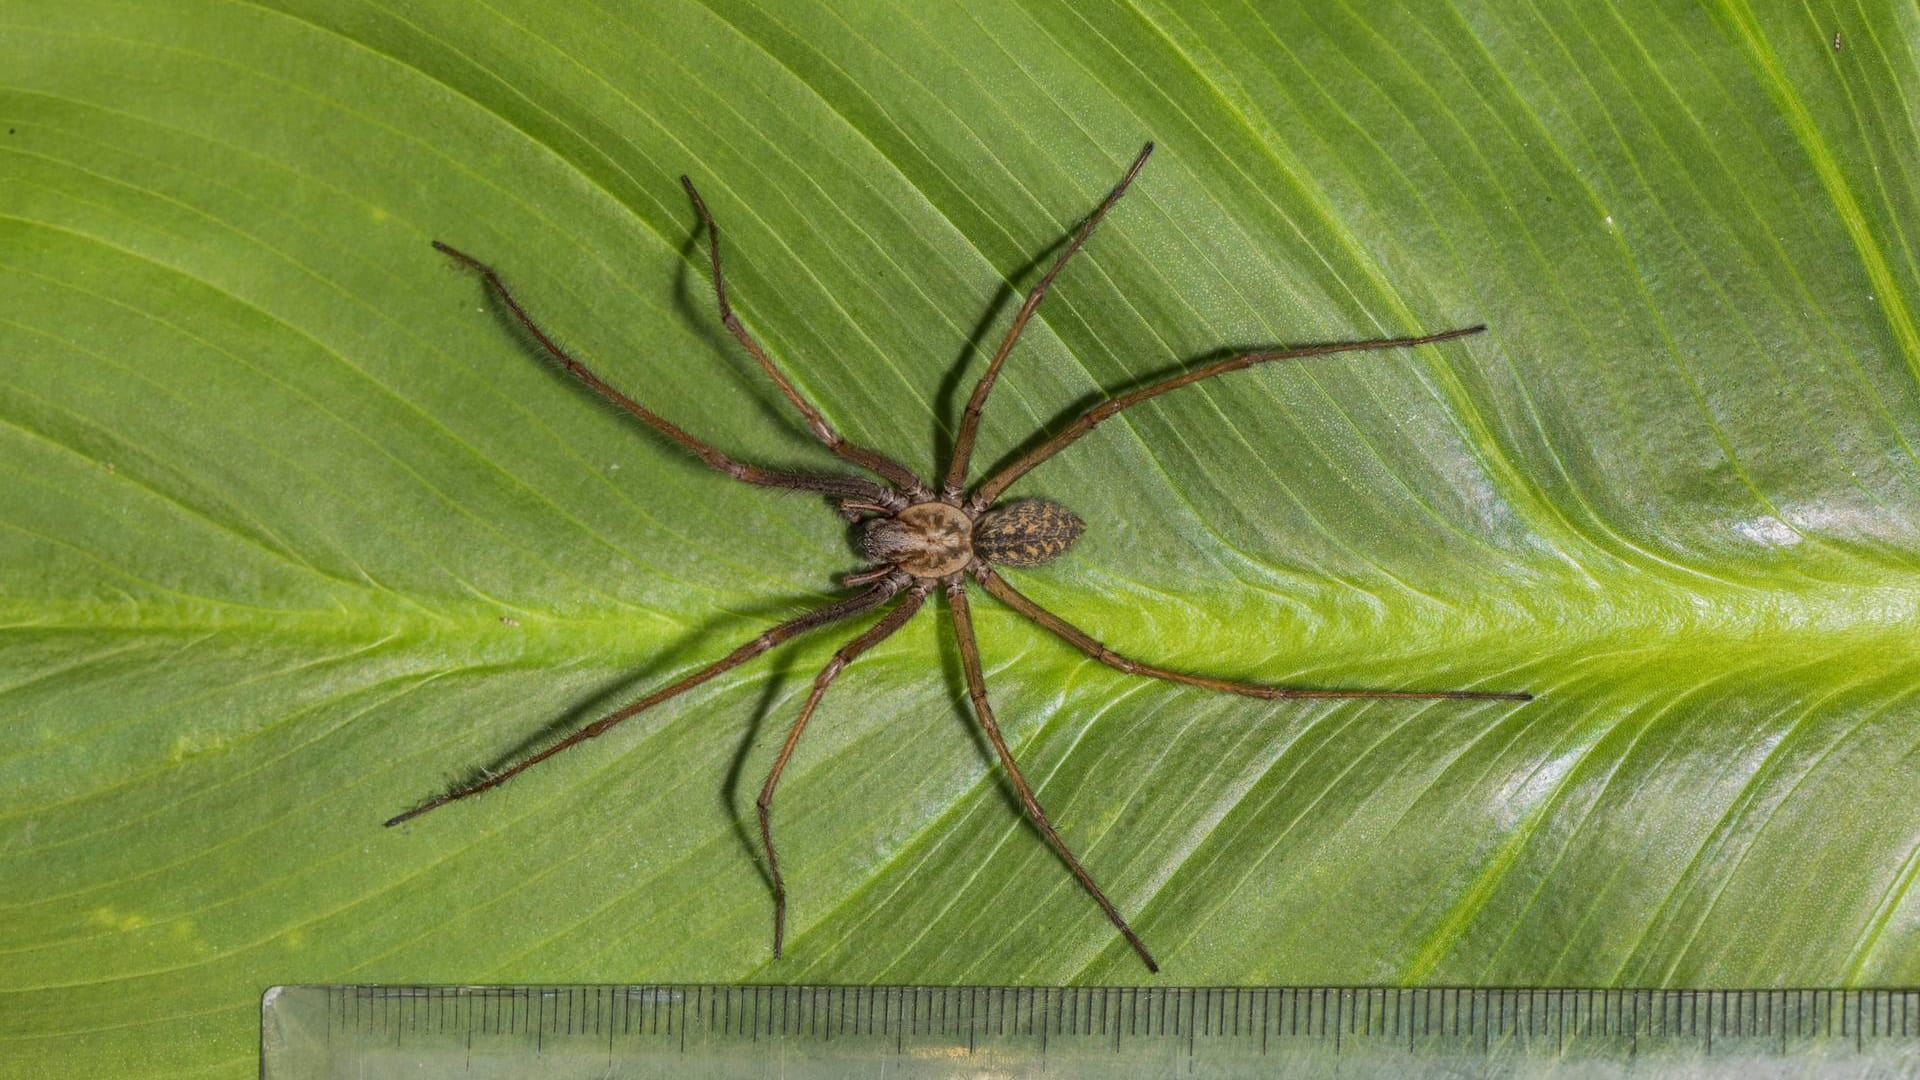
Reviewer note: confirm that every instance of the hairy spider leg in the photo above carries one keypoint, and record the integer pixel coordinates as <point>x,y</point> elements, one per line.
<point>848,487</point>
<point>992,486</point>
<point>874,635</point>
<point>956,480</point>
<point>1085,642</point>
<point>821,616</point>
<point>977,690</point>
<point>901,476</point>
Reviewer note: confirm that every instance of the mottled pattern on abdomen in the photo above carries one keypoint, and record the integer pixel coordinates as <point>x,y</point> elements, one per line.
<point>1025,533</point>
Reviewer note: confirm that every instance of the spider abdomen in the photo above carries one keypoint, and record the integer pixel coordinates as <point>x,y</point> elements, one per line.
<point>1026,533</point>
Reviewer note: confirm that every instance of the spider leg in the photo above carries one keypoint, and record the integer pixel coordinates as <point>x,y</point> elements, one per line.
<point>874,635</point>
<point>821,616</point>
<point>1081,640</point>
<point>843,486</point>
<point>992,486</point>
<point>901,476</point>
<point>956,480</point>
<point>977,690</point>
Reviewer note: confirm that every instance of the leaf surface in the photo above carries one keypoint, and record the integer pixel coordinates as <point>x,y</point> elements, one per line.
<point>295,529</point>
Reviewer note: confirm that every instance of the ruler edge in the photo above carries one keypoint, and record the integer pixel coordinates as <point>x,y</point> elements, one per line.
<point>271,994</point>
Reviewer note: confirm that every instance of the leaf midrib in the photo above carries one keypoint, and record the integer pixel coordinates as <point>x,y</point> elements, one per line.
<point>1748,617</point>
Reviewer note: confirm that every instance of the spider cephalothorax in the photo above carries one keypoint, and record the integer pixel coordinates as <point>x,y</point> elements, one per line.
<point>916,539</point>
<point>928,540</point>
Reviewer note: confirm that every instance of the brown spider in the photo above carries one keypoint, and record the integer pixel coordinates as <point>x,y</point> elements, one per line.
<point>918,537</point>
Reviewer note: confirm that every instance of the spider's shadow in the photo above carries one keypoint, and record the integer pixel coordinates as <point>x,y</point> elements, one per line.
<point>702,310</point>
<point>954,674</point>
<point>689,650</point>
<point>748,833</point>
<point>732,797</point>
<point>723,345</point>
<point>974,354</point>
<point>759,390</point>
<point>698,303</point>
<point>1085,402</point>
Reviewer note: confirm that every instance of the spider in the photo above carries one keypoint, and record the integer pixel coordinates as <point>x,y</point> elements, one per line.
<point>919,537</point>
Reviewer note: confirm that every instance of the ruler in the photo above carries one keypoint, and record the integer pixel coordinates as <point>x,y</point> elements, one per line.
<point>805,1032</point>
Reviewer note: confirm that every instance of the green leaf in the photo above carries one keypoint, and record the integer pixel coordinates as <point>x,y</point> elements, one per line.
<point>294,530</point>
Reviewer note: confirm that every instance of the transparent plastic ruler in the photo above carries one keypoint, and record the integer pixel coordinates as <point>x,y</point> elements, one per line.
<point>1109,1032</point>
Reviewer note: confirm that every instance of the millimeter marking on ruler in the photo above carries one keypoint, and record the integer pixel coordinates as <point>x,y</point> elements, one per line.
<point>803,1031</point>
